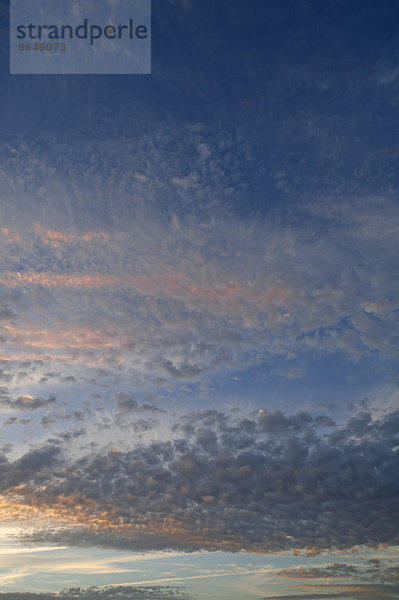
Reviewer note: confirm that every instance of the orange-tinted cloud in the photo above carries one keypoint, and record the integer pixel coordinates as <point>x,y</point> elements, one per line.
<point>26,505</point>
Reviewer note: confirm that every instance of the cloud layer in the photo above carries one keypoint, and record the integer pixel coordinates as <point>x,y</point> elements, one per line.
<point>181,299</point>
<point>277,482</point>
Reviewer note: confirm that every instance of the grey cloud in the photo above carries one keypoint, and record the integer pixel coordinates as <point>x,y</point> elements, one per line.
<point>6,314</point>
<point>142,425</point>
<point>333,570</point>
<point>279,482</point>
<point>78,414</point>
<point>46,420</point>
<point>67,436</point>
<point>69,379</point>
<point>38,402</point>
<point>386,574</point>
<point>307,596</point>
<point>26,403</point>
<point>125,402</point>
<point>33,466</point>
<point>186,371</point>
<point>4,376</point>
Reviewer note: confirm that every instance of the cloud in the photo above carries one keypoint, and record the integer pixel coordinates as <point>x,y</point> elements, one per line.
<point>180,296</point>
<point>356,592</point>
<point>372,571</point>
<point>358,581</point>
<point>55,238</point>
<point>334,570</point>
<point>127,403</point>
<point>105,593</point>
<point>49,280</point>
<point>26,402</point>
<point>277,482</point>
<point>6,314</point>
<point>145,252</point>
<point>316,596</point>
<point>34,465</point>
<point>343,592</point>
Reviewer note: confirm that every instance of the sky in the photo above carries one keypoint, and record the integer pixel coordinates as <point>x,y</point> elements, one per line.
<point>199,386</point>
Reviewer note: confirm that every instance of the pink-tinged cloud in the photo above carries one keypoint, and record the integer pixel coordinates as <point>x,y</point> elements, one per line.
<point>10,237</point>
<point>54,238</point>
<point>234,298</point>
<point>63,337</point>
<point>50,280</point>
<point>175,286</point>
<point>179,286</point>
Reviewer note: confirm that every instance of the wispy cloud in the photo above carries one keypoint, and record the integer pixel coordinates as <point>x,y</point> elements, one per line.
<point>177,300</point>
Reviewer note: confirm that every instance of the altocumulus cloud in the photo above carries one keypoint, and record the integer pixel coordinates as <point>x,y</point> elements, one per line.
<point>229,294</point>
<point>270,483</point>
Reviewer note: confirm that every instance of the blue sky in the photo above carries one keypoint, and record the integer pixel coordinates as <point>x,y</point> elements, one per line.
<point>199,312</point>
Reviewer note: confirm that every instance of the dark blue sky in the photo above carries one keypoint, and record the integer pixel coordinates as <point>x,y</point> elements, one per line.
<point>311,87</point>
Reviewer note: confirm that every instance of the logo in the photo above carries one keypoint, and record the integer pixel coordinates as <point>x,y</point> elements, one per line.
<point>80,37</point>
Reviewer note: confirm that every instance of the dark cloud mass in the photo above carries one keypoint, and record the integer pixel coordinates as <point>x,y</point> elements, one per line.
<point>34,465</point>
<point>272,483</point>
